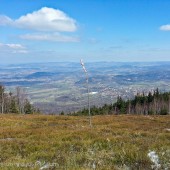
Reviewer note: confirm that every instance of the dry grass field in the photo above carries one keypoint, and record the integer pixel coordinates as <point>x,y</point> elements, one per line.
<point>64,142</point>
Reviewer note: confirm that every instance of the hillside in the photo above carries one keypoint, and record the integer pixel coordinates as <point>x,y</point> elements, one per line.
<point>67,142</point>
<point>154,103</point>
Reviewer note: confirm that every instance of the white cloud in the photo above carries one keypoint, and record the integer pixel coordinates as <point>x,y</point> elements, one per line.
<point>165,27</point>
<point>4,20</point>
<point>50,37</point>
<point>13,48</point>
<point>45,19</point>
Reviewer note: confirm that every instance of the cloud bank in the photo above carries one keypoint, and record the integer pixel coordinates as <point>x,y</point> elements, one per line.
<point>45,19</point>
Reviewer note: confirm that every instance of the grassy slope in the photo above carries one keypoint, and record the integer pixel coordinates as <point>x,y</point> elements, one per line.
<point>114,142</point>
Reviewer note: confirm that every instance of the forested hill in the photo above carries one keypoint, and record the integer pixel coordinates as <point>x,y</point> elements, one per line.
<point>155,103</point>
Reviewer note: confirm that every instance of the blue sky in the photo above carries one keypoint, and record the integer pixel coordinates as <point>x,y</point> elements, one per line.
<point>95,30</point>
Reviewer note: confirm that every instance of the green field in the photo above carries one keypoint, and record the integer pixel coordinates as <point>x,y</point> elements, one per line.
<point>64,142</point>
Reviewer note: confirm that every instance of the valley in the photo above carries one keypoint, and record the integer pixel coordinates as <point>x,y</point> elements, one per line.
<point>56,87</point>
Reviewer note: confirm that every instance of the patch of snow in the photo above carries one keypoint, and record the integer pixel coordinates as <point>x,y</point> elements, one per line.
<point>93,92</point>
<point>155,159</point>
<point>45,167</point>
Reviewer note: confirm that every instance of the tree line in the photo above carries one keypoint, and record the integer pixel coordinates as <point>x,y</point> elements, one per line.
<point>16,102</point>
<point>153,103</point>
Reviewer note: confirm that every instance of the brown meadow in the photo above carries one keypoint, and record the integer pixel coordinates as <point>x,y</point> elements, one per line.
<point>67,142</point>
